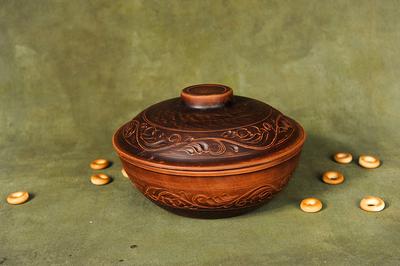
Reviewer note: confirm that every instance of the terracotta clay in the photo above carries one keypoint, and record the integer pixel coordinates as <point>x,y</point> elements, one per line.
<point>208,153</point>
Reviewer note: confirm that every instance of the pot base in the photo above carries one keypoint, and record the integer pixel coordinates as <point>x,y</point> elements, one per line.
<point>210,214</point>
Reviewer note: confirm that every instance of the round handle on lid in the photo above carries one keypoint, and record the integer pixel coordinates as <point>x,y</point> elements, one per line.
<point>206,95</point>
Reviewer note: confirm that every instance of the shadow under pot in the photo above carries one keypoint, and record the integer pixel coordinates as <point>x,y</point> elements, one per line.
<point>208,153</point>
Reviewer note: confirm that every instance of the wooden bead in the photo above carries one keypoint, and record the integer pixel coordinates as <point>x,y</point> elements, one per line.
<point>368,161</point>
<point>343,157</point>
<point>124,173</point>
<point>18,197</point>
<point>311,205</point>
<point>372,204</point>
<point>333,177</point>
<point>99,164</point>
<point>100,179</point>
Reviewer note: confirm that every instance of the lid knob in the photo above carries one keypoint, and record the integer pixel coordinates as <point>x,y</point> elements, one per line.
<point>206,95</point>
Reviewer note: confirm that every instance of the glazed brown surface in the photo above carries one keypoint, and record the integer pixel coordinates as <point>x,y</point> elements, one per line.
<point>174,133</point>
<point>208,153</point>
<point>210,196</point>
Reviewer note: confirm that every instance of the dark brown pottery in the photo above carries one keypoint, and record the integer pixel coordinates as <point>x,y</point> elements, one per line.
<point>208,153</point>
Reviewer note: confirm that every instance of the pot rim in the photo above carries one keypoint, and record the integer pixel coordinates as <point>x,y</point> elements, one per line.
<point>251,165</point>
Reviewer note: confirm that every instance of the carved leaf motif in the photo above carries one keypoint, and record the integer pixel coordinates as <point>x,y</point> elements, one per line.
<point>255,137</point>
<point>149,137</point>
<point>196,148</point>
<point>206,146</point>
<point>252,135</point>
<point>234,148</point>
<point>204,200</point>
<point>130,128</point>
<point>186,200</point>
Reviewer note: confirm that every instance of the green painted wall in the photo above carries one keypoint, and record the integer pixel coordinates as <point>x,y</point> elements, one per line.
<point>71,72</point>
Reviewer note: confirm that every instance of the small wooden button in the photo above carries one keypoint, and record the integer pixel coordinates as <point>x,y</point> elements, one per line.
<point>372,204</point>
<point>99,164</point>
<point>124,173</point>
<point>100,179</point>
<point>368,161</point>
<point>18,197</point>
<point>311,205</point>
<point>333,177</point>
<point>343,157</point>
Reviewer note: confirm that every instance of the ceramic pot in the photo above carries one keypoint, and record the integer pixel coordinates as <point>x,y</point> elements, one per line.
<point>208,153</point>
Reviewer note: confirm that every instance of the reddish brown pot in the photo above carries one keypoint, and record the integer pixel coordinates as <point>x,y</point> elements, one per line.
<point>208,153</point>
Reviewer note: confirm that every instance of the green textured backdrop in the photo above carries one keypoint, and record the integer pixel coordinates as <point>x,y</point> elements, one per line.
<point>71,72</point>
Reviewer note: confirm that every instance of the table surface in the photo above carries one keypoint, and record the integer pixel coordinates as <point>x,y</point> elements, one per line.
<point>71,72</point>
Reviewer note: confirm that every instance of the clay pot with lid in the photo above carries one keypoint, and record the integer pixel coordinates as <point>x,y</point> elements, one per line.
<point>208,153</point>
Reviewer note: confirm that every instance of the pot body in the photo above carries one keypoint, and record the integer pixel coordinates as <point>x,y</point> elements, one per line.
<point>211,196</point>
<point>209,153</point>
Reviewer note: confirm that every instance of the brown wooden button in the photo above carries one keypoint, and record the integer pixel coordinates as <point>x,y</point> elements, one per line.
<point>368,161</point>
<point>99,164</point>
<point>333,177</point>
<point>372,204</point>
<point>100,179</point>
<point>124,173</point>
<point>343,157</point>
<point>18,197</point>
<point>311,205</point>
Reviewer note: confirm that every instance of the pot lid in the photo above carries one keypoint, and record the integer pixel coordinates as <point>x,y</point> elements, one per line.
<point>208,128</point>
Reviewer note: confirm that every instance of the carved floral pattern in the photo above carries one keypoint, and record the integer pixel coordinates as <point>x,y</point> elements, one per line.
<point>261,136</point>
<point>186,200</point>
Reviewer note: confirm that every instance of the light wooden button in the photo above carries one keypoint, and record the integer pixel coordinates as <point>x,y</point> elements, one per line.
<point>100,179</point>
<point>18,197</point>
<point>372,204</point>
<point>124,173</point>
<point>343,157</point>
<point>99,164</point>
<point>311,205</point>
<point>368,161</point>
<point>333,177</point>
